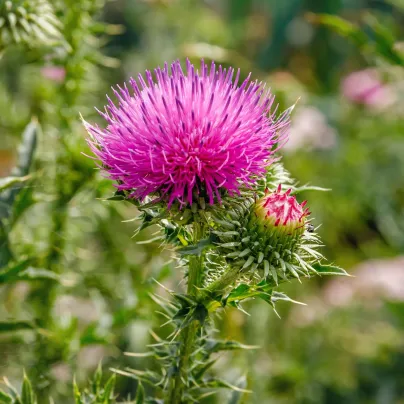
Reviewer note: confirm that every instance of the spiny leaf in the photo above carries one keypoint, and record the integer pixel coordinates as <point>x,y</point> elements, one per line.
<point>305,188</point>
<point>202,369</point>
<point>196,249</point>
<point>329,269</point>
<point>218,383</point>
<point>213,345</point>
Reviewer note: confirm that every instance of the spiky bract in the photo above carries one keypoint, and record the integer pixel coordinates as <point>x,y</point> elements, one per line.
<point>268,239</point>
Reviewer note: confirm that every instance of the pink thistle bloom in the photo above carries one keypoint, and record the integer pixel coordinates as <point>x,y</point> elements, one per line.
<point>366,87</point>
<point>283,210</point>
<point>187,135</point>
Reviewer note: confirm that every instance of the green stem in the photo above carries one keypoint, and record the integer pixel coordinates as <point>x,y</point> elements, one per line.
<point>188,335</point>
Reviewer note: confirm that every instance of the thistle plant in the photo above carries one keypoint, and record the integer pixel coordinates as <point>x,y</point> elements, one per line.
<point>196,152</point>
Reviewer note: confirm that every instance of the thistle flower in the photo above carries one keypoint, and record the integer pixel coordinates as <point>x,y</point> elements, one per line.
<point>270,238</point>
<point>184,136</point>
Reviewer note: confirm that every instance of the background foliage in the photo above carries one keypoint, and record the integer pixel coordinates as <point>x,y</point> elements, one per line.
<point>75,287</point>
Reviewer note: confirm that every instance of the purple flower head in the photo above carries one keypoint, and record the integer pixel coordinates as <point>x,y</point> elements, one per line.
<point>188,135</point>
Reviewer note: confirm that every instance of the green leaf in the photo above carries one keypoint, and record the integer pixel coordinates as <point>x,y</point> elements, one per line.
<point>9,182</point>
<point>305,188</point>
<point>214,345</point>
<point>24,162</point>
<point>236,396</point>
<point>27,395</point>
<point>9,274</point>
<point>381,42</point>
<point>281,296</point>
<point>239,291</point>
<point>329,269</point>
<point>8,326</point>
<point>97,379</point>
<point>76,393</point>
<point>139,399</point>
<point>202,369</point>
<point>196,249</point>
<point>109,389</point>
<point>384,41</point>
<point>24,200</point>
<point>23,272</point>
<point>397,3</point>
<point>32,274</point>
<point>5,398</point>
<point>341,27</point>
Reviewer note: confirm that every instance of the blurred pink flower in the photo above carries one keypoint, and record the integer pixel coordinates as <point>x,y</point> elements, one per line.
<point>310,130</point>
<point>54,73</point>
<point>366,87</point>
<point>373,278</point>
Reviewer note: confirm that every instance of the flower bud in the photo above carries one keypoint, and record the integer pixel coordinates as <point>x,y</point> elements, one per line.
<point>280,211</point>
<point>272,238</point>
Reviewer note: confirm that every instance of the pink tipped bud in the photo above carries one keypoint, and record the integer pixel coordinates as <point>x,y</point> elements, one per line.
<point>282,209</point>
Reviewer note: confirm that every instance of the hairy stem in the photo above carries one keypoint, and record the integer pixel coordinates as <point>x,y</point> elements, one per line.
<point>188,335</point>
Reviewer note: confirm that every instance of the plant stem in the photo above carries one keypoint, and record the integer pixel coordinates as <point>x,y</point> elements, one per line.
<point>188,335</point>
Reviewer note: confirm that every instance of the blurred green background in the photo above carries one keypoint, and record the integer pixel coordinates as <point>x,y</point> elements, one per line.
<point>81,293</point>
